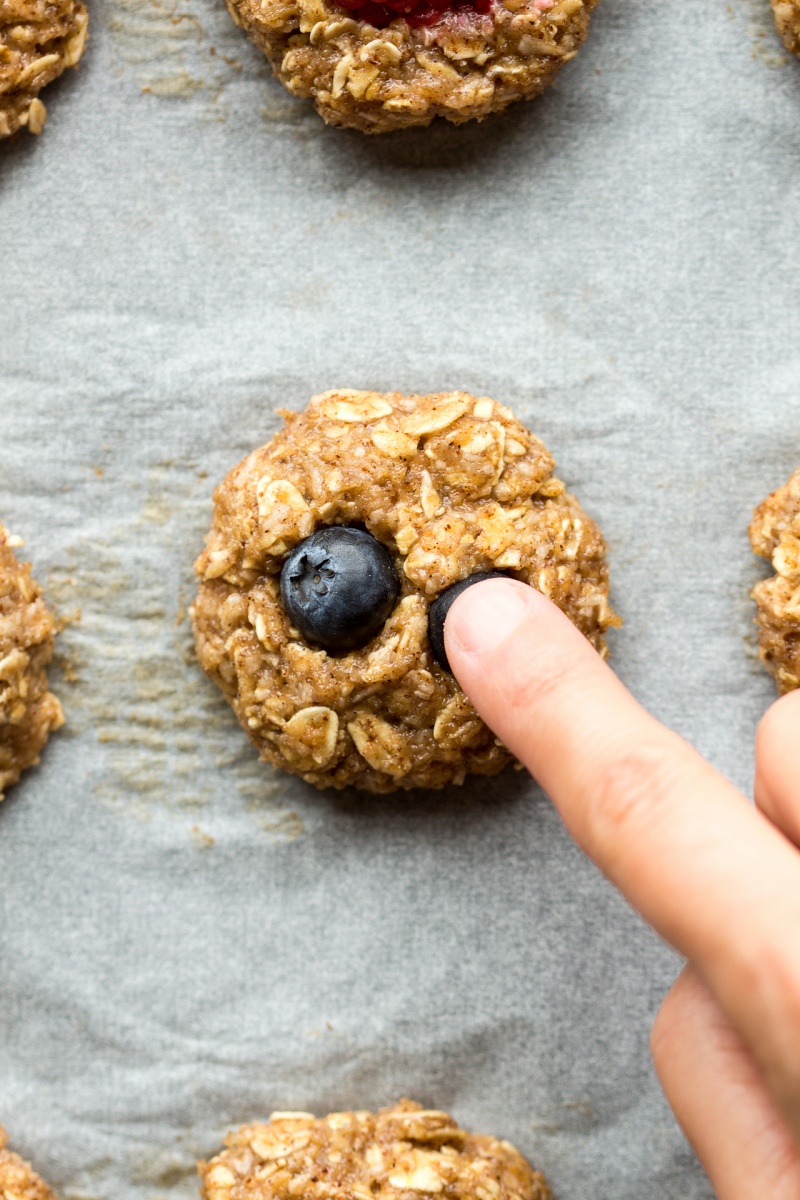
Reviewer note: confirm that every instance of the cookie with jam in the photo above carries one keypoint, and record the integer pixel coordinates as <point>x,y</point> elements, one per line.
<point>378,65</point>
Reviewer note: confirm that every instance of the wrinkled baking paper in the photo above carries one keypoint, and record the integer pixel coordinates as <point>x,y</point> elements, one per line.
<point>189,939</point>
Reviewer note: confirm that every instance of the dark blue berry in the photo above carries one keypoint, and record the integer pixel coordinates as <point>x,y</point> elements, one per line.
<point>441,607</point>
<point>339,586</point>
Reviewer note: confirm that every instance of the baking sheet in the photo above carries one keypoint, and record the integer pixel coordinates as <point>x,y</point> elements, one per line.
<point>188,939</point>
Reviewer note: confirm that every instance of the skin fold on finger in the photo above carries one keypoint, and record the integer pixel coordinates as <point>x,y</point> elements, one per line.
<point>777,781</point>
<point>719,1097</point>
<point>711,874</point>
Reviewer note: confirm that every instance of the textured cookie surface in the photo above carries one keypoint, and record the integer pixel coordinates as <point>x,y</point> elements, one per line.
<point>400,1153</point>
<point>787,19</point>
<point>38,40</point>
<point>775,534</point>
<point>451,485</point>
<point>18,1180</point>
<point>28,711</point>
<point>371,68</point>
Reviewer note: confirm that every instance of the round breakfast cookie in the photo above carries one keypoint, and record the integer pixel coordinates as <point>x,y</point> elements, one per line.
<point>38,40</point>
<point>28,711</point>
<point>395,1154</point>
<point>775,534</point>
<point>382,66</point>
<point>18,1181</point>
<point>787,19</point>
<point>430,490</point>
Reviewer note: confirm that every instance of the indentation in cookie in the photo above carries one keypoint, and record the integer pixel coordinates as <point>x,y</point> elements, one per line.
<point>338,586</point>
<point>417,12</point>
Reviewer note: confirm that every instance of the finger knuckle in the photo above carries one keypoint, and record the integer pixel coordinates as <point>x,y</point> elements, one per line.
<point>535,692</point>
<point>631,797</point>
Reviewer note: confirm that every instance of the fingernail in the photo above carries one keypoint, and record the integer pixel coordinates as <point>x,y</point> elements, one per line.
<point>485,615</point>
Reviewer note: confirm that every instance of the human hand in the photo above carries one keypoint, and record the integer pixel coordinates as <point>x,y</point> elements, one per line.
<point>719,879</point>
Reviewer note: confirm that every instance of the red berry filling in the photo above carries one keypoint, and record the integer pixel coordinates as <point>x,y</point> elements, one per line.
<point>416,12</point>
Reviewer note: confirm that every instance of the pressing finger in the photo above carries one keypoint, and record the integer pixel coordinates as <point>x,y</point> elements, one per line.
<point>681,842</point>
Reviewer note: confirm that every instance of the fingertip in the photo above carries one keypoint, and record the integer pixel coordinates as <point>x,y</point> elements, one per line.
<point>777,768</point>
<point>488,614</point>
<point>510,647</point>
<point>777,732</point>
<point>782,718</point>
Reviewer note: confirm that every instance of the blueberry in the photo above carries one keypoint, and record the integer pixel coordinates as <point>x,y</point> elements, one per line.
<point>339,586</point>
<point>441,607</point>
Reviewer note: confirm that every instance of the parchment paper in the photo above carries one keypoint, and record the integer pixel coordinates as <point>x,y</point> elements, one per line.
<point>189,940</point>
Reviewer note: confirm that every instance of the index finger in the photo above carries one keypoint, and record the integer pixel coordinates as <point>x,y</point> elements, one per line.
<point>711,874</point>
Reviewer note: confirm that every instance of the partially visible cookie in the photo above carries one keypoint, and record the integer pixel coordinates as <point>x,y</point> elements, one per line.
<point>18,1180</point>
<point>38,40</point>
<point>787,19</point>
<point>28,711</point>
<point>400,1153</point>
<point>382,66</point>
<point>775,534</point>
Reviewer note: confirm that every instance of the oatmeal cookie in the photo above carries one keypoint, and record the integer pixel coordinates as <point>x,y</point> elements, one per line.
<point>775,534</point>
<point>442,487</point>
<point>394,1154</point>
<point>18,1180</point>
<point>28,711</point>
<point>38,40</point>
<point>382,66</point>
<point>787,19</point>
